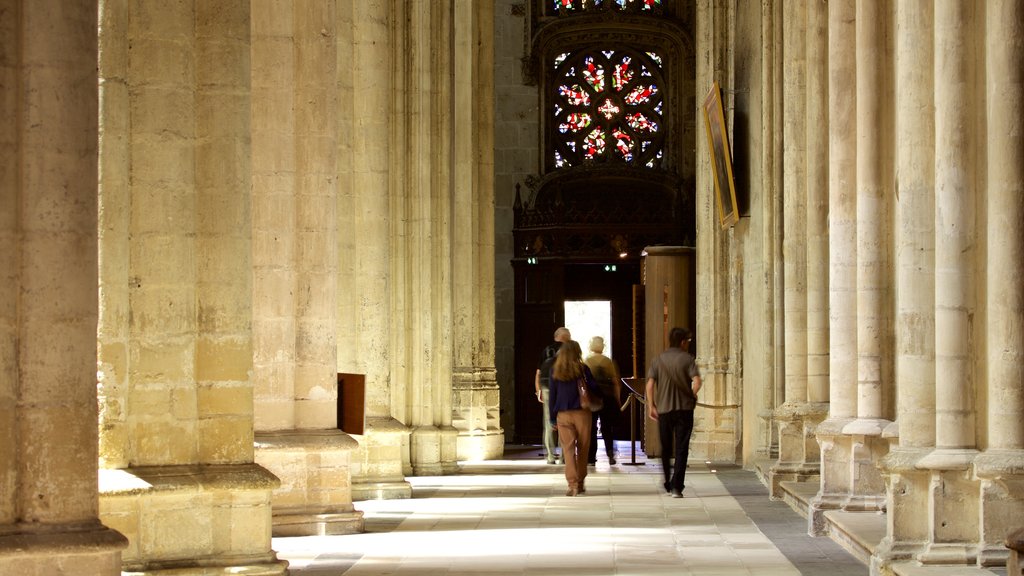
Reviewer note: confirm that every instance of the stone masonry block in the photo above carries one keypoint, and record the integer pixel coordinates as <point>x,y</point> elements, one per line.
<point>223,359</point>
<point>162,162</point>
<point>222,400</point>
<point>316,414</point>
<point>157,207</point>
<point>222,311</point>
<point>161,62</point>
<point>162,441</point>
<point>223,19</point>
<point>53,367</point>
<point>183,403</point>
<point>164,360</point>
<point>176,526</point>
<point>278,156</point>
<point>149,400</point>
<point>241,529</point>
<point>164,259</point>
<point>222,63</point>
<point>225,439</point>
<point>164,111</point>
<point>55,481</point>
<point>268,19</point>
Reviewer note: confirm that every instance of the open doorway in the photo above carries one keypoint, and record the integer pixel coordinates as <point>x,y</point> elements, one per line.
<point>588,318</point>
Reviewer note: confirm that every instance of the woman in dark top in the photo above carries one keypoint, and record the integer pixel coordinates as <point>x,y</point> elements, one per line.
<point>571,420</point>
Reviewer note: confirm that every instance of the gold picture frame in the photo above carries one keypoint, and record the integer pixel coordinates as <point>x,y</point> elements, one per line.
<point>721,160</point>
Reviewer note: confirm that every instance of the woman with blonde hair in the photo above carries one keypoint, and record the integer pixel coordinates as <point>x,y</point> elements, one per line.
<point>570,418</point>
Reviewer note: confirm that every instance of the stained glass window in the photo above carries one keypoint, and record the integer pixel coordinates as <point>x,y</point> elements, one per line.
<point>608,108</point>
<point>569,6</point>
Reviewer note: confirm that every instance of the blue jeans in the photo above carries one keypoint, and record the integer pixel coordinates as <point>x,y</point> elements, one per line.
<point>675,428</point>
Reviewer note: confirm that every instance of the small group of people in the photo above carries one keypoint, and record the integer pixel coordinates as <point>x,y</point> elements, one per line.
<point>673,382</point>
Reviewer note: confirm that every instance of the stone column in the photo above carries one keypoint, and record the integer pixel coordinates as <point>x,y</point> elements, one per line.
<point>817,208</point>
<point>295,132</point>
<point>715,431</point>
<point>475,397</point>
<point>999,467</point>
<point>874,195</point>
<point>367,102</point>
<point>794,256</point>
<point>915,278</point>
<point>791,446</point>
<point>767,243</point>
<point>952,491</point>
<point>805,211</point>
<point>836,479</point>
<point>421,337</point>
<point>49,511</point>
<point>175,341</point>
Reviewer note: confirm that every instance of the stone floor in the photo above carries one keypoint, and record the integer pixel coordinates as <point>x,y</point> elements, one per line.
<point>511,517</point>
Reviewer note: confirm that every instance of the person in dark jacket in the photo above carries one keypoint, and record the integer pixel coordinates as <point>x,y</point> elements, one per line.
<point>571,419</point>
<point>547,360</point>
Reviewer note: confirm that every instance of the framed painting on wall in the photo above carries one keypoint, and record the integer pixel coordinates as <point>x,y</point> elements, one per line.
<point>721,160</point>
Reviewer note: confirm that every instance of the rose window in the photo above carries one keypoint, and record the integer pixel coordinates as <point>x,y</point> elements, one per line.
<point>608,107</point>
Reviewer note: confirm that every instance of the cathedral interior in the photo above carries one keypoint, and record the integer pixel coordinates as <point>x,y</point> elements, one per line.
<point>273,262</point>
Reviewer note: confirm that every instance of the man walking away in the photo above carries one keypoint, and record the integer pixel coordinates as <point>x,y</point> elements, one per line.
<point>673,381</point>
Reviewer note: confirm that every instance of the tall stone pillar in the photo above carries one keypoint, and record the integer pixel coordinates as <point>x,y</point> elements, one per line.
<point>175,341</point>
<point>295,132</point>
<point>1000,465</point>
<point>836,448</point>
<point>791,464</point>
<point>952,491</point>
<point>817,208</point>
<point>908,486</point>
<point>367,102</point>
<point>421,358</point>
<point>475,395</point>
<point>49,510</point>
<point>805,209</point>
<point>716,433</point>
<point>874,201</point>
<point>768,250</point>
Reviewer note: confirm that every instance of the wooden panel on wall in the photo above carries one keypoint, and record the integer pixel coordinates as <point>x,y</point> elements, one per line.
<point>352,403</point>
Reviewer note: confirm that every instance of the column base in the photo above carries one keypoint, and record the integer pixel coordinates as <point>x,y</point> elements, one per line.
<point>781,473</point>
<point>817,524</point>
<point>90,548</point>
<point>378,465</point>
<point>196,519</point>
<point>318,524</point>
<point>479,445</point>
<point>315,497</point>
<point>952,553</point>
<point>381,490</point>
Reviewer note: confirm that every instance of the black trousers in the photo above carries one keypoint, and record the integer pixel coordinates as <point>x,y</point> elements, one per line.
<point>608,415</point>
<point>674,429</point>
